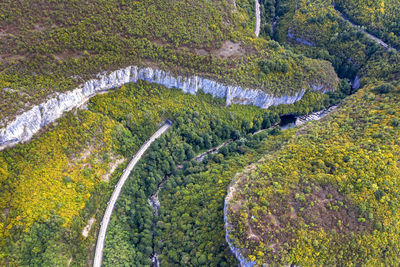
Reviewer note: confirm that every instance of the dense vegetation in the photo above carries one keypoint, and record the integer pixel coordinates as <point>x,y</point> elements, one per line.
<point>49,47</point>
<point>57,191</point>
<point>192,194</point>
<point>52,46</point>
<point>316,24</point>
<point>328,188</point>
<point>130,236</point>
<point>379,17</point>
<point>333,189</point>
<point>190,228</point>
<point>276,17</point>
<point>319,31</point>
<point>202,126</point>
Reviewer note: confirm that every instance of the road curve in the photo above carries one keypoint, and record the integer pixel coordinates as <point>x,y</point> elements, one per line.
<point>98,257</point>
<point>258,19</point>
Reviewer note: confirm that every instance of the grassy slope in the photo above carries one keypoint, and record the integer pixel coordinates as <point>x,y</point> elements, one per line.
<point>49,47</point>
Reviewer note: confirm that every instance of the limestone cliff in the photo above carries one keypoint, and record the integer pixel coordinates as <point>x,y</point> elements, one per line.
<point>30,122</point>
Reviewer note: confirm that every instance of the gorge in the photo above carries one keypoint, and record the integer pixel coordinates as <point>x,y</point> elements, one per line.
<point>199,133</point>
<point>27,124</point>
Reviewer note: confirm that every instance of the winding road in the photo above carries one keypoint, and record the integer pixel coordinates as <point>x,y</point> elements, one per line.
<point>114,197</point>
<point>258,19</point>
<point>370,36</point>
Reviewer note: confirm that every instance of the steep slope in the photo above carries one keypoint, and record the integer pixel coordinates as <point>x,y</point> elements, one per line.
<point>379,17</point>
<point>49,48</point>
<point>333,190</point>
<point>29,123</point>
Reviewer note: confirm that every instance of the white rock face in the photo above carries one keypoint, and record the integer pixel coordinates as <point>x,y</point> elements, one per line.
<point>232,189</point>
<point>27,124</point>
<point>315,116</point>
<point>356,83</point>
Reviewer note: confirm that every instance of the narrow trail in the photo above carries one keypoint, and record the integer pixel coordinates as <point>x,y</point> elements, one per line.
<point>370,36</point>
<point>258,19</point>
<point>211,151</point>
<point>114,197</point>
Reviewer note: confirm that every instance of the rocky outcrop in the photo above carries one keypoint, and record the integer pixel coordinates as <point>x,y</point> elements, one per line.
<point>236,251</point>
<point>315,116</point>
<point>30,122</point>
<point>229,196</point>
<point>355,84</point>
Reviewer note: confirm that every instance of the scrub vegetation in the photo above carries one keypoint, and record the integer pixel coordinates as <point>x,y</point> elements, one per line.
<point>332,190</point>
<point>49,47</point>
<point>379,17</point>
<point>324,193</point>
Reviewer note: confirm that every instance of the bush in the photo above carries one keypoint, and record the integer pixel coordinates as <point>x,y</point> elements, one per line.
<point>67,179</point>
<point>267,66</point>
<point>384,88</point>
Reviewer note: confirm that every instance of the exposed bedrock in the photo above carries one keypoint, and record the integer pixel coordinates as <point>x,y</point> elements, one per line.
<point>30,122</point>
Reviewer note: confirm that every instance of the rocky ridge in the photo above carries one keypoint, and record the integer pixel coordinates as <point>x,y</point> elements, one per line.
<point>27,124</point>
<point>243,262</point>
<point>232,189</point>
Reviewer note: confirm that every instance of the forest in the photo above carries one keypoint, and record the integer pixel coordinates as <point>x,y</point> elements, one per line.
<point>170,162</point>
<point>55,46</point>
<point>332,190</point>
<point>301,195</point>
<point>378,17</point>
<point>57,191</point>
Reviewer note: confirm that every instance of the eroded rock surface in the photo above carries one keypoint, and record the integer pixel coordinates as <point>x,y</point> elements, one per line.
<point>27,124</point>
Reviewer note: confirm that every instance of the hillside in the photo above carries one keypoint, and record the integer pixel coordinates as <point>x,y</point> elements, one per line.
<point>237,178</point>
<point>48,48</point>
<point>332,190</point>
<point>379,17</point>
